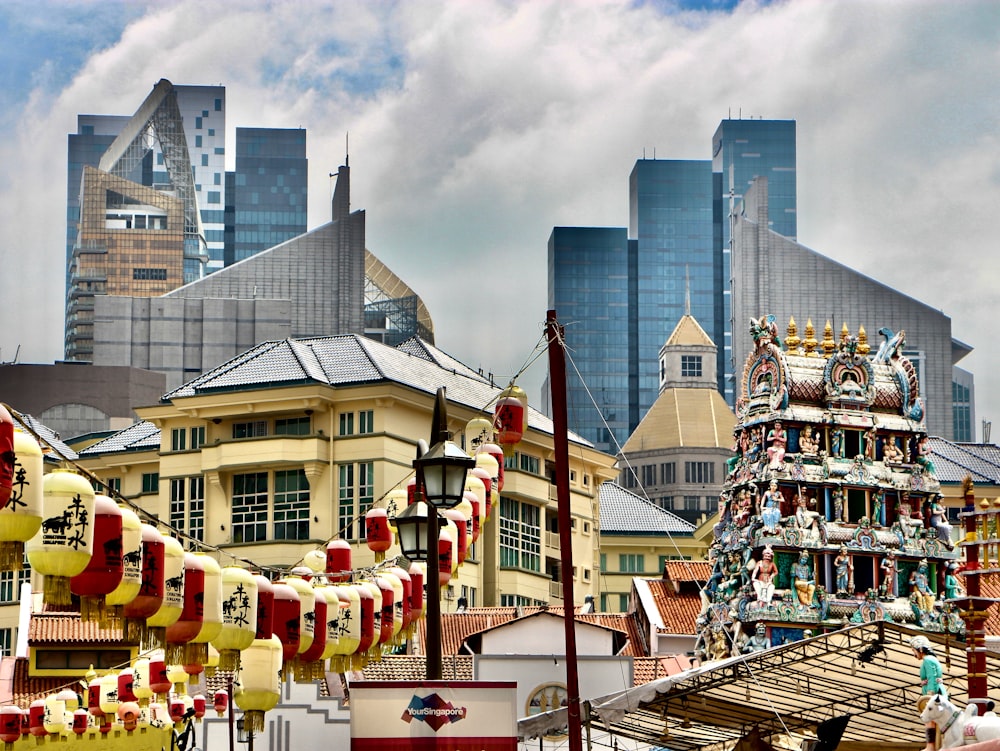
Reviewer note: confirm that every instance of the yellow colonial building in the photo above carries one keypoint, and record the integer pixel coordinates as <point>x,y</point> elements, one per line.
<point>288,445</point>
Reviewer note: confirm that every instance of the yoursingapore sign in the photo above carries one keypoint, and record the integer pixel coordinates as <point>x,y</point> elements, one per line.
<point>451,716</point>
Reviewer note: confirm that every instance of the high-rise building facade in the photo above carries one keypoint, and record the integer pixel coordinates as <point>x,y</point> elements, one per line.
<point>269,190</point>
<point>589,277</point>
<point>741,151</point>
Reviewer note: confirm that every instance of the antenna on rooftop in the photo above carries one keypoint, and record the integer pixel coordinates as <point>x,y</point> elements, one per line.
<point>987,425</point>
<point>347,149</point>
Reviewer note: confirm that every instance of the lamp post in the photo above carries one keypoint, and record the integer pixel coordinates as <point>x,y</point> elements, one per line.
<point>441,471</point>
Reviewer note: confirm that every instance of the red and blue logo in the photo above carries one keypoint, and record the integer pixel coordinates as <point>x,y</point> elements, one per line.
<point>433,710</point>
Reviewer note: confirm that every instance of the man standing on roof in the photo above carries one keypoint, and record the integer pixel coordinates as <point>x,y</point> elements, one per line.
<point>931,681</point>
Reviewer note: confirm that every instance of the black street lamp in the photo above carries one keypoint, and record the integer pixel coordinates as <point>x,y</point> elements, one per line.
<point>441,471</point>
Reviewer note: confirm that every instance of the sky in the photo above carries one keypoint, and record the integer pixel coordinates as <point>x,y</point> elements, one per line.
<point>476,126</point>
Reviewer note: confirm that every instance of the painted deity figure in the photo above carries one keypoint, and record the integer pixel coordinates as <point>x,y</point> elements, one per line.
<point>924,453</point>
<point>803,580</point>
<point>920,585</point>
<point>939,520</point>
<point>837,443</point>
<point>889,583</point>
<point>771,507</point>
<point>909,524</point>
<point>777,439</point>
<point>952,588</point>
<point>763,578</point>
<point>931,679</point>
<point>843,566</point>
<point>759,641</point>
<point>871,437</point>
<point>891,452</point>
<point>838,505</point>
<point>808,441</point>
<point>806,518</point>
<point>878,501</point>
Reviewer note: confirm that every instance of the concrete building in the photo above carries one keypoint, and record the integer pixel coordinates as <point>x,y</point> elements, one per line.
<point>775,275</point>
<point>677,455</point>
<point>288,445</point>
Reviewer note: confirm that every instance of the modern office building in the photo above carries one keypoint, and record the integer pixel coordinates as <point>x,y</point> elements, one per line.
<point>680,224</point>
<point>774,275</point>
<point>269,191</point>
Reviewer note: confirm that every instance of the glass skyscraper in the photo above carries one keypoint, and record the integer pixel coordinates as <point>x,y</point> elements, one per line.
<point>269,201</point>
<point>677,260</point>
<point>591,274</point>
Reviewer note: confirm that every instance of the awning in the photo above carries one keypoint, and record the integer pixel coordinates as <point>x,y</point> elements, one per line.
<point>866,672</point>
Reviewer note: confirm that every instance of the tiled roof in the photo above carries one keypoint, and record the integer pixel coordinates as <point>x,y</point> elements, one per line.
<point>623,512</point>
<point>26,688</point>
<point>457,627</point>
<point>954,461</point>
<point>688,571</point>
<point>142,436</point>
<point>52,446</point>
<point>689,332</point>
<point>684,417</point>
<point>646,669</point>
<point>677,611</point>
<point>68,629</point>
<point>349,360</point>
<point>414,668</point>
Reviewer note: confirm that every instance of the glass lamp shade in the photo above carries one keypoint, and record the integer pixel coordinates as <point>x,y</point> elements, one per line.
<point>412,525</point>
<point>444,467</point>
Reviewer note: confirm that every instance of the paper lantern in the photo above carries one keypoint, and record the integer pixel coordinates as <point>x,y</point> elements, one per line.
<point>258,688</point>
<point>388,614</point>
<point>367,636</point>
<point>332,621</point>
<point>220,702</point>
<point>80,721</point>
<point>128,715</point>
<point>94,695</point>
<point>511,416</point>
<point>7,455</point>
<point>178,676</point>
<point>106,566</point>
<point>36,719</point>
<point>10,723</point>
<point>404,597</point>
<point>54,718</point>
<point>446,555</point>
<point>338,561</point>
<point>308,663</point>
<point>131,580</point>
<point>141,680</point>
<point>315,561</point>
<point>348,629</point>
<point>375,648</point>
<point>63,545</point>
<point>126,686</point>
<point>239,616</point>
<point>461,522</point>
<point>196,652</point>
<point>307,614</point>
<point>417,591</point>
<point>494,452</point>
<point>411,491</point>
<point>478,431</point>
<point>199,703</point>
<point>378,536</point>
<point>21,516</point>
<point>176,708</point>
<point>398,597</point>
<point>192,615</point>
<point>265,607</point>
<point>173,595</point>
<point>287,620</point>
<point>152,586</point>
<point>109,694</point>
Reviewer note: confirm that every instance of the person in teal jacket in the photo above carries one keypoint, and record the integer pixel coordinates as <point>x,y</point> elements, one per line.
<point>931,680</point>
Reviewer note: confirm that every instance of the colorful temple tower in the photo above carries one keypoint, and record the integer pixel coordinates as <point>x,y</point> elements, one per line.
<point>831,510</point>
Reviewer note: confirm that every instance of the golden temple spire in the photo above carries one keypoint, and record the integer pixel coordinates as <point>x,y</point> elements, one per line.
<point>828,344</point>
<point>810,340</point>
<point>792,340</point>
<point>863,347</point>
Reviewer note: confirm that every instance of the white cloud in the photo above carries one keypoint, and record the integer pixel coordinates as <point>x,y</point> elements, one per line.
<point>490,123</point>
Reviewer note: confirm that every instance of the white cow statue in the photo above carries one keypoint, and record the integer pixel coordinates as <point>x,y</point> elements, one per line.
<point>959,727</point>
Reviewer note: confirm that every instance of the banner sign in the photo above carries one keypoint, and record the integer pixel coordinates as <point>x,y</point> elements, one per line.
<point>439,715</point>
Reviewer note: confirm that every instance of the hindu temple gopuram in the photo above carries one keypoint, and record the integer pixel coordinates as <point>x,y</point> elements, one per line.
<point>831,510</point>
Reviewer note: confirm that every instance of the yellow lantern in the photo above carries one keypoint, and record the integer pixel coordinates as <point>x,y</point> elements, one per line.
<point>196,652</point>
<point>173,595</point>
<point>332,620</point>
<point>54,719</point>
<point>315,560</point>
<point>307,612</point>
<point>397,603</point>
<point>109,694</point>
<point>21,517</point>
<point>128,589</point>
<point>179,677</point>
<point>348,629</point>
<point>258,687</point>
<point>239,616</point>
<point>62,547</point>
<point>478,431</point>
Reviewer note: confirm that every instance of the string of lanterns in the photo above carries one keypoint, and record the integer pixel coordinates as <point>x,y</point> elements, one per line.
<point>188,613</point>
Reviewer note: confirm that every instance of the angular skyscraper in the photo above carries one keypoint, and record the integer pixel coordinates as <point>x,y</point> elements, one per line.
<point>269,191</point>
<point>741,151</point>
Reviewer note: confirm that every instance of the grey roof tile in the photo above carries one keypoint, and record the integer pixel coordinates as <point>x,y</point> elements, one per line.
<point>48,435</point>
<point>623,511</point>
<point>953,461</point>
<point>141,436</point>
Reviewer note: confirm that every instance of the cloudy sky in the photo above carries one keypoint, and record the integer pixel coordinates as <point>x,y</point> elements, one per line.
<point>477,126</point>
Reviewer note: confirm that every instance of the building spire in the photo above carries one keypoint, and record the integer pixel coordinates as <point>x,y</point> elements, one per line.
<point>687,291</point>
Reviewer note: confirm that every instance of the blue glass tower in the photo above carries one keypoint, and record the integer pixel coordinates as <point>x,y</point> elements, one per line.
<point>591,287</point>
<point>269,203</point>
<point>741,151</point>
<point>670,217</point>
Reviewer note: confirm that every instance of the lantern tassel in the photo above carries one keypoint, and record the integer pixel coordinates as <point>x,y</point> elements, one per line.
<point>253,721</point>
<point>135,630</point>
<point>155,637</point>
<point>11,555</point>
<point>174,654</point>
<point>92,610</point>
<point>195,653</point>
<point>229,659</point>
<point>55,590</point>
